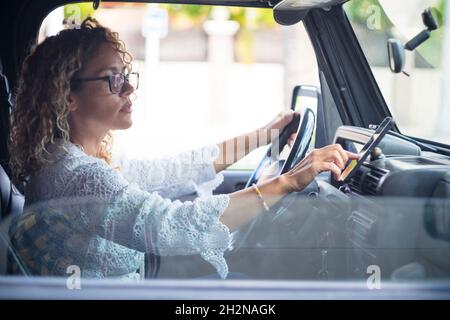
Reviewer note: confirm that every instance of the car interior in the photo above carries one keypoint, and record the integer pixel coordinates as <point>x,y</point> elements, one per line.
<point>391,212</point>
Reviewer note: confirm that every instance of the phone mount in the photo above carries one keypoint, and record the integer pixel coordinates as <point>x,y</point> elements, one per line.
<point>377,154</point>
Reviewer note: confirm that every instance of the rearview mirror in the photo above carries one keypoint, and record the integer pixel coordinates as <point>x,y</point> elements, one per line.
<point>289,17</point>
<point>396,51</point>
<point>396,54</point>
<point>290,12</point>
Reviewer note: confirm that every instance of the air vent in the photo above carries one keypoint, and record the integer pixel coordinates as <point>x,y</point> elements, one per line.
<point>372,180</point>
<point>355,183</point>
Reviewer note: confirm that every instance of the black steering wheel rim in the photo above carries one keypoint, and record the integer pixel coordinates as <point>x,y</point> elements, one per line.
<point>304,130</point>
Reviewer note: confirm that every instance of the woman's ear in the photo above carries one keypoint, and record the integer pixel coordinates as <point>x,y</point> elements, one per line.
<point>71,102</point>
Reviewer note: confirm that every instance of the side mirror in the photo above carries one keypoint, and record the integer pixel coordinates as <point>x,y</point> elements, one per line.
<point>396,54</point>
<point>306,98</point>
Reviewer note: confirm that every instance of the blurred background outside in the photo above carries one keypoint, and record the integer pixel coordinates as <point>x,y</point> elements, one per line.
<point>207,73</point>
<point>211,73</point>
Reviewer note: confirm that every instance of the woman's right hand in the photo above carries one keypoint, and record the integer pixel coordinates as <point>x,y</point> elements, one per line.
<point>245,204</point>
<point>330,158</point>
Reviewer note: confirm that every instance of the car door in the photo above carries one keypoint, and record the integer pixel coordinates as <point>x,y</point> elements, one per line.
<point>349,95</point>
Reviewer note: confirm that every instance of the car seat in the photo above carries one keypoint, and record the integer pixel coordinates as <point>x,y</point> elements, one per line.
<point>11,200</point>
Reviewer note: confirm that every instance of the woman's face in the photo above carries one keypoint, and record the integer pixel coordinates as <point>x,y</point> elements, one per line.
<point>93,104</point>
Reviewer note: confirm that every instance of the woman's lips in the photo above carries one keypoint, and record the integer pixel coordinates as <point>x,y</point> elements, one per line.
<point>127,108</point>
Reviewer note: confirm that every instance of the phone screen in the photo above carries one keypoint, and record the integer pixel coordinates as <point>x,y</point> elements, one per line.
<point>374,140</point>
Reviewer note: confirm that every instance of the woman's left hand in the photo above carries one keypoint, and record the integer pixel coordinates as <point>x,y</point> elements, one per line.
<point>278,124</point>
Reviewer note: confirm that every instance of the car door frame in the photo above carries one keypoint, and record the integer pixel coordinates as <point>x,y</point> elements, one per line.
<point>356,93</point>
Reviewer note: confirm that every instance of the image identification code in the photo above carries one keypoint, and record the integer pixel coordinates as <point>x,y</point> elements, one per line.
<point>227,309</point>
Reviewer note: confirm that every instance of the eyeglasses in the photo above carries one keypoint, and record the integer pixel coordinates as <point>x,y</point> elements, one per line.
<point>116,81</point>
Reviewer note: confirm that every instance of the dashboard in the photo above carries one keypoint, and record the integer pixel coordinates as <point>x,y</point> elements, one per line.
<point>336,230</point>
<point>379,213</point>
<point>399,176</point>
<point>402,170</point>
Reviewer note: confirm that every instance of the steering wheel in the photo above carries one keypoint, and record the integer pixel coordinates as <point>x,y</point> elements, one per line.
<point>305,130</point>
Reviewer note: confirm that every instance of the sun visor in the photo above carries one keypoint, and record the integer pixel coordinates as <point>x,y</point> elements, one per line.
<point>289,12</point>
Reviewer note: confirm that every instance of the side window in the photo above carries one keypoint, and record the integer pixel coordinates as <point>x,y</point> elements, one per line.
<point>206,73</point>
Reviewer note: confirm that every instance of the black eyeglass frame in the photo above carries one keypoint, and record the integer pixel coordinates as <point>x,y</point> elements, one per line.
<point>126,77</point>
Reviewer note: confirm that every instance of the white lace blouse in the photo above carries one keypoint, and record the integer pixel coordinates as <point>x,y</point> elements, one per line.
<point>81,211</point>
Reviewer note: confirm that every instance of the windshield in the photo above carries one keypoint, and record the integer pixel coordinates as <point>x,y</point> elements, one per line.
<point>418,100</point>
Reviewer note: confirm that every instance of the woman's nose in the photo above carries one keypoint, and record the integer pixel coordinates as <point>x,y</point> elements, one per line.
<point>127,89</point>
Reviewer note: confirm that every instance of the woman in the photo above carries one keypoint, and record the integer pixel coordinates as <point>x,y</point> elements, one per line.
<point>81,209</point>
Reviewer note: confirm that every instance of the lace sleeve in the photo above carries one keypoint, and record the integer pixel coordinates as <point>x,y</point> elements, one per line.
<point>186,173</point>
<point>124,213</point>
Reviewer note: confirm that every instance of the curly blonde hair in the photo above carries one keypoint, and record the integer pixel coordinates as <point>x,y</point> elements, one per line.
<point>41,101</point>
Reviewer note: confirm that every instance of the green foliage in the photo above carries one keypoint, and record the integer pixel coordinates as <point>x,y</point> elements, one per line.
<point>439,12</point>
<point>246,17</point>
<point>249,19</point>
<point>195,13</point>
<point>84,9</point>
<point>360,11</point>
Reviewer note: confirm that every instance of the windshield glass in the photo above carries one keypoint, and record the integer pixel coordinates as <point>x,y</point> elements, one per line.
<point>418,100</point>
